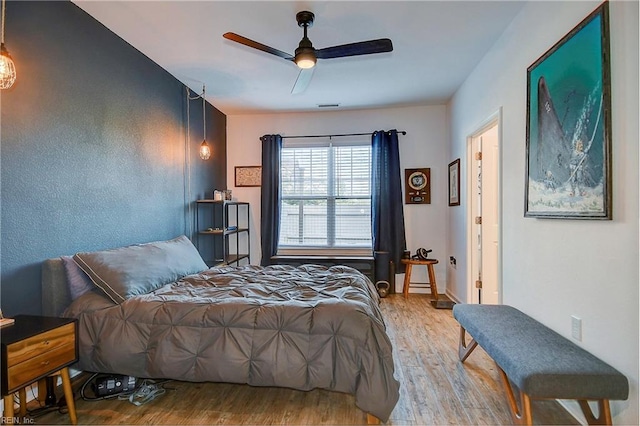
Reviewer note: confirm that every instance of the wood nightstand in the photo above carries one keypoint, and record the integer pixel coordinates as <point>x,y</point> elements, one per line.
<point>33,348</point>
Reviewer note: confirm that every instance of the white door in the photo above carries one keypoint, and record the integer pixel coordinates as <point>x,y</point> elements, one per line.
<point>490,201</point>
<point>485,202</point>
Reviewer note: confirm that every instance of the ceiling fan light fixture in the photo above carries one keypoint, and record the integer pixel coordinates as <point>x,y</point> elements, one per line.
<point>305,57</point>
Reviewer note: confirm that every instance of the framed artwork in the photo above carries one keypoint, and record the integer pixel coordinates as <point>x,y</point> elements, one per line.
<point>248,175</point>
<point>568,173</point>
<point>454,183</point>
<point>417,186</point>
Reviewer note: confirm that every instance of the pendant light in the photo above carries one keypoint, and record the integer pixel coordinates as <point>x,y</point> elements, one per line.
<point>7,68</point>
<point>205,150</point>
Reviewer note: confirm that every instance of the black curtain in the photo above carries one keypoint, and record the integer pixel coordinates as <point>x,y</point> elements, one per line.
<point>270,197</point>
<point>387,216</point>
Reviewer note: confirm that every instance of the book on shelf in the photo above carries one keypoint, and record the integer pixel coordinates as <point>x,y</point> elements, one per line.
<point>6,321</point>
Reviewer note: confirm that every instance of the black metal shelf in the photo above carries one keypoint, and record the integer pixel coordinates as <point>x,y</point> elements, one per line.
<point>218,226</point>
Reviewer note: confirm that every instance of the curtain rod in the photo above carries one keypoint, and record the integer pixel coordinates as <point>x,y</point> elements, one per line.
<point>335,136</point>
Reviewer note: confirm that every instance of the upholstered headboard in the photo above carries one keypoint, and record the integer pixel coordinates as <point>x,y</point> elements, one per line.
<point>120,273</point>
<point>55,291</point>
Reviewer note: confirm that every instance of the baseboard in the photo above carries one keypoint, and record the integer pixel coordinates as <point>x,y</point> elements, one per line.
<point>452,297</point>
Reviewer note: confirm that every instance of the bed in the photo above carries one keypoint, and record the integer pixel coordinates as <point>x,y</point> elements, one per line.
<point>154,311</point>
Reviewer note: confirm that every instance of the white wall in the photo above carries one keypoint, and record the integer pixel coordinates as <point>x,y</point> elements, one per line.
<point>553,269</point>
<point>424,145</point>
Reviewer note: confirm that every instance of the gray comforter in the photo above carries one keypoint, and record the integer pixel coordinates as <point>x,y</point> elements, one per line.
<point>302,328</point>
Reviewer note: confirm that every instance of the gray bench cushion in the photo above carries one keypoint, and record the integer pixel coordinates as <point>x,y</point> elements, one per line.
<point>539,361</point>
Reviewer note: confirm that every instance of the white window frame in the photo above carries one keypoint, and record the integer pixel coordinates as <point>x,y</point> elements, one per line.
<point>284,250</point>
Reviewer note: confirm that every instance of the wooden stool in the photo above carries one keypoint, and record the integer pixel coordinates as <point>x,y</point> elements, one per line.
<point>432,276</point>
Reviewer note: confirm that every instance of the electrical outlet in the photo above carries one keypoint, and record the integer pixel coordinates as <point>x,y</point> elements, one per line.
<point>576,328</point>
<point>452,261</point>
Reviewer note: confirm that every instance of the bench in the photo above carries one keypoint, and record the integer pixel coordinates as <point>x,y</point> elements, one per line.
<point>538,363</point>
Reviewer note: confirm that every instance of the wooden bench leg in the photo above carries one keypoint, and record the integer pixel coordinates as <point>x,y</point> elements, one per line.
<point>464,349</point>
<point>604,412</point>
<point>372,420</point>
<point>521,414</point>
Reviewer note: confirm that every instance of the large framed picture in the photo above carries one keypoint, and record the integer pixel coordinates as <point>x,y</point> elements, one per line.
<point>568,172</point>
<point>454,183</point>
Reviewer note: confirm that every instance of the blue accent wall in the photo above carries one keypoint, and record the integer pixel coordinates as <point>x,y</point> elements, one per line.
<point>93,147</point>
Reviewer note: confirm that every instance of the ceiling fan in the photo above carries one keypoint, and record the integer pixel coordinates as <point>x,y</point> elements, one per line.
<point>306,55</point>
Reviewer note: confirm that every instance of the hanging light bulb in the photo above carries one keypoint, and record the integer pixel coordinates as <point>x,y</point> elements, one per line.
<point>205,149</point>
<point>7,67</point>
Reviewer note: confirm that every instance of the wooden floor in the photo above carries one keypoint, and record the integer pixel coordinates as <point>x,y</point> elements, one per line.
<point>436,389</point>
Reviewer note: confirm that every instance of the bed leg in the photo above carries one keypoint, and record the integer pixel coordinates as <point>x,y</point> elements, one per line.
<point>372,420</point>
<point>464,349</point>
<point>521,415</point>
<point>604,412</point>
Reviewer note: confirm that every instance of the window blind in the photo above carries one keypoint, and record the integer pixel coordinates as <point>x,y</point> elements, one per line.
<point>326,195</point>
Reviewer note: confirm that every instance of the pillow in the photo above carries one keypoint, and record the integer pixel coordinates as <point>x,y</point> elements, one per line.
<point>139,269</point>
<point>78,282</point>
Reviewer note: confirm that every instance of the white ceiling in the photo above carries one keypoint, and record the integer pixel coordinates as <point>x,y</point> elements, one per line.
<point>436,45</point>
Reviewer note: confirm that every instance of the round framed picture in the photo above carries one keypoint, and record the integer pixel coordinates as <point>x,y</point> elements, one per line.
<point>417,180</point>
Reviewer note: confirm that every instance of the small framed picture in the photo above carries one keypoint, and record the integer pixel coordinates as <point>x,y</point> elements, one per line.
<point>454,183</point>
<point>248,175</point>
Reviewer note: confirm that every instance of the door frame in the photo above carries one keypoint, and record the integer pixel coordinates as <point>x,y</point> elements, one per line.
<point>495,119</point>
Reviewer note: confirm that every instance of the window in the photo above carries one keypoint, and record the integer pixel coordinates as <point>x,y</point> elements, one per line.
<point>326,196</point>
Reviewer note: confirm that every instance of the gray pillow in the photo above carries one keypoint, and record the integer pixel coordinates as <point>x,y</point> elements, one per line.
<point>138,269</point>
<point>79,283</point>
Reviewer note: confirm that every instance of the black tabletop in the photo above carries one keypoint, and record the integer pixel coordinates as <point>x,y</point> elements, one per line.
<point>30,325</point>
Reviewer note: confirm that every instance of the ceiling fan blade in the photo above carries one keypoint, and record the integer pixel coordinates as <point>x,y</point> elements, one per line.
<point>354,49</point>
<point>248,42</point>
<point>304,77</point>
